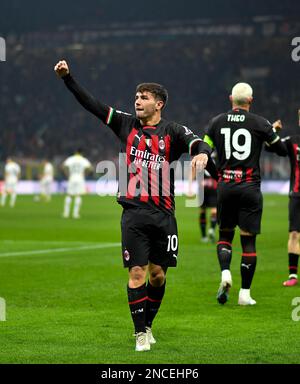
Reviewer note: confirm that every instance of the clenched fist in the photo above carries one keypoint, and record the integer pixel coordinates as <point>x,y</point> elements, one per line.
<point>277,125</point>
<point>61,68</point>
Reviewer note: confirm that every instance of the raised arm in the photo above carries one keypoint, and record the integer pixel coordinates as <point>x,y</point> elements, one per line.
<point>88,101</point>
<point>277,145</point>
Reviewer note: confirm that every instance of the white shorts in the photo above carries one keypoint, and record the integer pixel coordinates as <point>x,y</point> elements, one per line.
<point>76,188</point>
<point>46,186</point>
<point>10,187</point>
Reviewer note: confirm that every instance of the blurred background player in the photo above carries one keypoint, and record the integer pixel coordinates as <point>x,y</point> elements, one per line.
<point>293,147</point>
<point>209,185</point>
<point>46,180</point>
<point>238,137</point>
<point>12,173</point>
<point>76,166</point>
<point>292,144</point>
<point>210,202</point>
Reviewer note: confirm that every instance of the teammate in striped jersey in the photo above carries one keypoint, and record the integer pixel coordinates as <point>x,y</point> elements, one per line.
<point>292,144</point>
<point>149,144</point>
<point>238,137</point>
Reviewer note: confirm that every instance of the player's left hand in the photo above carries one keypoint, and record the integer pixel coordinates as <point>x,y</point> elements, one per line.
<point>199,162</point>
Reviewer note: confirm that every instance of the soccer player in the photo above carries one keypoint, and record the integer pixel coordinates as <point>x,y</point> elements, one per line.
<point>209,186</point>
<point>12,173</point>
<point>149,144</point>
<point>238,137</point>
<point>76,166</point>
<point>293,147</point>
<point>210,202</point>
<point>46,180</point>
<point>292,144</point>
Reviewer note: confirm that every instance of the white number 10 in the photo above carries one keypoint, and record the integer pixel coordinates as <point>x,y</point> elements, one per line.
<point>241,151</point>
<point>172,243</point>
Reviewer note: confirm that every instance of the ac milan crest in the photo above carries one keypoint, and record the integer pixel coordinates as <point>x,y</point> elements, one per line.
<point>161,144</point>
<point>126,255</point>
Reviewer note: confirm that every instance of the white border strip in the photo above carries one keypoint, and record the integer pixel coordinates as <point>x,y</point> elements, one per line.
<point>57,250</point>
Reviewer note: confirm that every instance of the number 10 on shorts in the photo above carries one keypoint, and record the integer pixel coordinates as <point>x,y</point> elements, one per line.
<point>172,243</point>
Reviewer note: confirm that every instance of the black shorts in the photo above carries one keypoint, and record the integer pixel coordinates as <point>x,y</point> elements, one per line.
<point>210,198</point>
<point>148,235</point>
<point>239,205</point>
<point>294,214</point>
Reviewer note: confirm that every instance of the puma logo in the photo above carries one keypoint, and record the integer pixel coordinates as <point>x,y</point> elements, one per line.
<point>226,250</point>
<point>138,137</point>
<point>246,265</point>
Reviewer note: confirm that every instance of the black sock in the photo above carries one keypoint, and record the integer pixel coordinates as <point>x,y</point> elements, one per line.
<point>213,221</point>
<point>137,300</point>
<point>248,262</point>
<point>155,296</point>
<point>224,249</point>
<point>293,263</point>
<point>202,220</point>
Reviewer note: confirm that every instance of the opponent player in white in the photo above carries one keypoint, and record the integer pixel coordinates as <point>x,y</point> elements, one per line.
<point>47,180</point>
<point>76,166</point>
<point>12,173</point>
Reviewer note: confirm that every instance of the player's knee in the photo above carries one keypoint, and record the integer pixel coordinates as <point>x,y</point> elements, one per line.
<point>226,235</point>
<point>157,277</point>
<point>137,275</point>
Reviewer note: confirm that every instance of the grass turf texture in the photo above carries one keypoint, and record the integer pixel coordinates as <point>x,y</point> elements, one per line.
<point>69,305</point>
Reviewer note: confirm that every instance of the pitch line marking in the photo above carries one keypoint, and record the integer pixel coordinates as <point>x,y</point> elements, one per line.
<point>56,250</point>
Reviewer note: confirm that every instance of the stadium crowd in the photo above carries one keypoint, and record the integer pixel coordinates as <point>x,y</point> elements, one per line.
<point>39,121</point>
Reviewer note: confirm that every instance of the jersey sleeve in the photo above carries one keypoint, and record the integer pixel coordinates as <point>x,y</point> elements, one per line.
<point>188,142</point>
<point>116,120</point>
<point>88,164</point>
<point>209,135</point>
<point>270,135</point>
<point>66,163</point>
<point>287,142</point>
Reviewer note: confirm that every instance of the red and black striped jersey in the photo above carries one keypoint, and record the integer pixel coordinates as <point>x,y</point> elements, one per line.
<point>209,182</point>
<point>238,137</point>
<point>147,153</point>
<point>292,144</point>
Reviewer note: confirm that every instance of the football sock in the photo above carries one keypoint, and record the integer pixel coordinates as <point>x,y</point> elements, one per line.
<point>3,199</point>
<point>13,198</point>
<point>293,263</point>
<point>202,220</point>
<point>248,262</point>
<point>155,296</point>
<point>67,207</point>
<point>213,220</point>
<point>224,249</point>
<point>77,205</point>
<point>137,300</point>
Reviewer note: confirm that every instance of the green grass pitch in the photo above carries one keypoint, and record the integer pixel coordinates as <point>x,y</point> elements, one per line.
<point>65,291</point>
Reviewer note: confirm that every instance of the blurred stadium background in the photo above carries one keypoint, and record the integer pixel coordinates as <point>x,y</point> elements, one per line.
<point>198,50</point>
<point>62,279</point>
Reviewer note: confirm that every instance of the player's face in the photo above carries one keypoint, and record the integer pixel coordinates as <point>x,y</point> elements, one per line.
<point>145,105</point>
